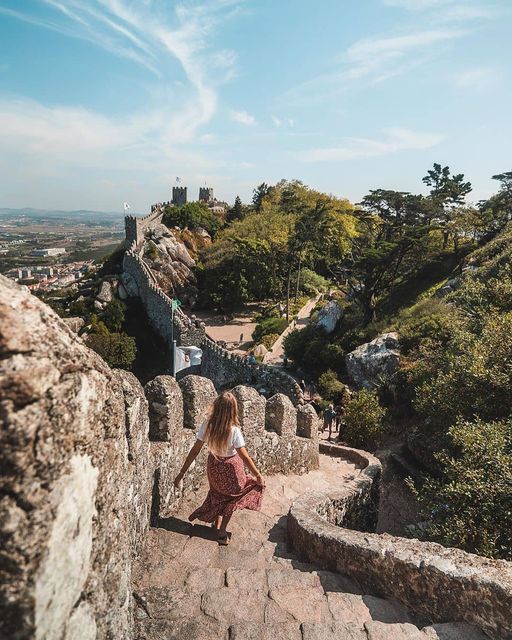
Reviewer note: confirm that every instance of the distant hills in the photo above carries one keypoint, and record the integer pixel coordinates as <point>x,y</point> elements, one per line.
<point>81,215</point>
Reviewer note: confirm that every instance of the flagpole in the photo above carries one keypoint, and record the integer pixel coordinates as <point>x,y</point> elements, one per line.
<point>174,358</point>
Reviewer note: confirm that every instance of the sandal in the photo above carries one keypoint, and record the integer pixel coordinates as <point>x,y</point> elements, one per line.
<point>224,540</point>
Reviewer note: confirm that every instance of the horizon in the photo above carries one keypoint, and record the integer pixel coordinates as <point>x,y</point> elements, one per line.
<point>109,101</point>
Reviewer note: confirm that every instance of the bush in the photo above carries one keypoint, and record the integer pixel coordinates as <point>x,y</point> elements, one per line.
<point>192,215</point>
<point>114,315</point>
<point>267,327</point>
<point>330,387</point>
<point>471,506</point>
<point>269,340</point>
<point>311,283</point>
<point>117,349</point>
<point>363,419</point>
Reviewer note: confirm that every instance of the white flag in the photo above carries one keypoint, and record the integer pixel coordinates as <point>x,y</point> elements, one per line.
<point>126,206</point>
<point>187,357</point>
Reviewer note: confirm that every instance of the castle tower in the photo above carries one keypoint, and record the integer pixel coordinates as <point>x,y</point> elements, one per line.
<point>179,196</point>
<point>206,194</point>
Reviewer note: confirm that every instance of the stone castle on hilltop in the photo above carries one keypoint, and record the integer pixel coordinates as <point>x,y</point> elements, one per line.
<point>179,198</point>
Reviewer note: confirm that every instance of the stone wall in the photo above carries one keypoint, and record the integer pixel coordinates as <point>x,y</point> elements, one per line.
<point>225,368</point>
<point>134,226</point>
<point>440,583</point>
<point>88,459</point>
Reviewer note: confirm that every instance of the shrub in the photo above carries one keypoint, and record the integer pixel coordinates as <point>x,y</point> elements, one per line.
<point>117,349</point>
<point>471,506</point>
<point>311,283</point>
<point>330,387</point>
<point>192,215</point>
<point>269,326</point>
<point>114,315</point>
<point>363,419</point>
<point>269,340</point>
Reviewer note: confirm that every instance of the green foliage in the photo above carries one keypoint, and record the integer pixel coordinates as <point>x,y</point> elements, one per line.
<point>151,250</point>
<point>363,419</point>
<point>114,315</point>
<point>269,339</point>
<point>330,387</point>
<point>312,283</point>
<point>113,263</point>
<point>192,215</point>
<point>82,308</point>
<point>471,377</point>
<point>430,319</point>
<point>237,212</point>
<point>117,349</point>
<point>471,506</point>
<point>267,327</point>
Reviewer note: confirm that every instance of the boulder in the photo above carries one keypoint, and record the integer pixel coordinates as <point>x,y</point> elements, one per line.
<point>75,324</point>
<point>374,360</point>
<point>449,287</point>
<point>121,292</point>
<point>260,351</point>
<point>105,293</point>
<point>329,316</point>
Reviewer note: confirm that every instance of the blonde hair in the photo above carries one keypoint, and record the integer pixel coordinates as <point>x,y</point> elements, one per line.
<point>223,415</point>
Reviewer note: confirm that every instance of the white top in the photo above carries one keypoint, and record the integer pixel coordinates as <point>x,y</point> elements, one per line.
<point>236,440</point>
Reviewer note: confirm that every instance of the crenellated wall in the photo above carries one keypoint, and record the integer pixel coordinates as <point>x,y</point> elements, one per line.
<point>135,227</point>
<point>224,368</point>
<point>88,459</point>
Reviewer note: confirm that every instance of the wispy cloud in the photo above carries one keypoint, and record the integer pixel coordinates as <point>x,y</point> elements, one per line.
<point>152,35</point>
<point>242,117</point>
<point>478,79</point>
<point>396,139</point>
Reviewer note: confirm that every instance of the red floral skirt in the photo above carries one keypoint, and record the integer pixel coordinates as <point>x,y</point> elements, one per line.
<point>230,489</point>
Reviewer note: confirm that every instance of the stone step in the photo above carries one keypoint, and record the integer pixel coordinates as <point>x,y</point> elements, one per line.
<point>266,631</point>
<point>454,631</point>
<point>377,630</point>
<point>353,609</point>
<point>333,631</point>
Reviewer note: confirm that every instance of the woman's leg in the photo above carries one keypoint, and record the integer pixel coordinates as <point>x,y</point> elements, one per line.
<point>218,521</point>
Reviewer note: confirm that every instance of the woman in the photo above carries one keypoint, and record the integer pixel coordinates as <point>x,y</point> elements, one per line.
<point>230,487</point>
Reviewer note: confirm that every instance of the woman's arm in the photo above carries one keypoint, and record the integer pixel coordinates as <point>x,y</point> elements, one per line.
<point>192,455</point>
<point>250,464</point>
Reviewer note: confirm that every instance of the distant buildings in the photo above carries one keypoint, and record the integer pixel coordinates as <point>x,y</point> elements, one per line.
<point>51,277</point>
<point>51,251</point>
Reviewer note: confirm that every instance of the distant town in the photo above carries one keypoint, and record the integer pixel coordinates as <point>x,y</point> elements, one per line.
<point>50,278</point>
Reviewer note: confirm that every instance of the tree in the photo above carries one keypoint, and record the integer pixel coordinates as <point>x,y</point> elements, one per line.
<point>497,211</point>
<point>114,314</point>
<point>117,349</point>
<point>237,211</point>
<point>192,215</point>
<point>447,192</point>
<point>259,194</point>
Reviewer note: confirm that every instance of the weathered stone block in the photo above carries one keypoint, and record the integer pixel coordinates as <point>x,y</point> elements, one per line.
<point>165,408</point>
<point>251,409</point>
<point>280,415</point>
<point>308,423</point>
<point>198,395</point>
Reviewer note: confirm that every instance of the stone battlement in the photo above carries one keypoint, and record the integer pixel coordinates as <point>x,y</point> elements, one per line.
<point>135,226</point>
<point>88,459</point>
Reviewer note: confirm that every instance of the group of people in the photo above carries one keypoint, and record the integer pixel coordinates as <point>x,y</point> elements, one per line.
<point>332,417</point>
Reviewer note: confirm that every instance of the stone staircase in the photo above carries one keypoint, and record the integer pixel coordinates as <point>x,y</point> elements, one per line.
<point>188,588</point>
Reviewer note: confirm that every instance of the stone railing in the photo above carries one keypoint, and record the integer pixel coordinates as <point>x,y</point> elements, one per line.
<point>88,459</point>
<point>333,530</point>
<point>225,368</point>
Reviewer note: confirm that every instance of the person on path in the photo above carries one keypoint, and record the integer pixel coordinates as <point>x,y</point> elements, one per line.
<point>251,358</point>
<point>329,415</point>
<point>230,487</point>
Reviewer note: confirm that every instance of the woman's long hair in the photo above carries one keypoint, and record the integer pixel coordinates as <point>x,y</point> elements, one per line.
<point>223,416</point>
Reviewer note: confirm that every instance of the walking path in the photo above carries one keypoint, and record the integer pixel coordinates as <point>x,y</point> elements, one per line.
<point>189,588</point>
<point>275,355</point>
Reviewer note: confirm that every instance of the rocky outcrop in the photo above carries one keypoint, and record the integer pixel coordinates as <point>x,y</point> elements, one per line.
<point>374,361</point>
<point>170,261</point>
<point>329,316</point>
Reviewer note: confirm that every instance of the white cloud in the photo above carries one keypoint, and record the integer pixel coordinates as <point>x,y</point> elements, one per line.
<point>478,79</point>
<point>277,121</point>
<point>397,139</point>
<point>151,35</point>
<point>242,117</point>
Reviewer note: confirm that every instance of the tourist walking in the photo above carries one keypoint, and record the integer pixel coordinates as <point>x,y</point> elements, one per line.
<point>329,415</point>
<point>230,487</point>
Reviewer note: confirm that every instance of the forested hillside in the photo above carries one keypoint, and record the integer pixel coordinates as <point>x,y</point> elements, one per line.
<point>433,269</point>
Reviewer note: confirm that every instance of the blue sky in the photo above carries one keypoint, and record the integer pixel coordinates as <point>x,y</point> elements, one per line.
<point>105,101</point>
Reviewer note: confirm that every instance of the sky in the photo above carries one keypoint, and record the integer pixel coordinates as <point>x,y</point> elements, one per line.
<point>109,101</point>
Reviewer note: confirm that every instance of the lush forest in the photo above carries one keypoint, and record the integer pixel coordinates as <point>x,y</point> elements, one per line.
<point>385,261</point>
